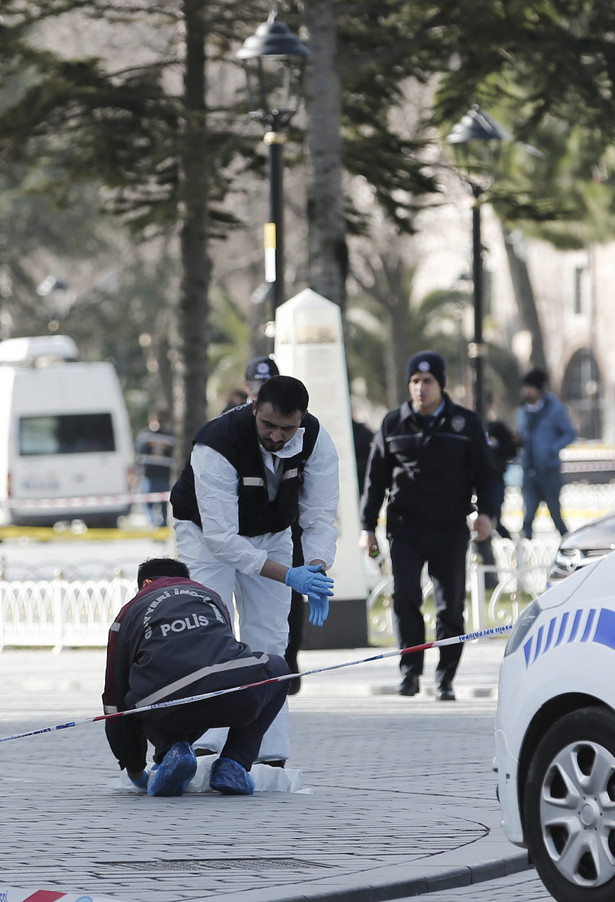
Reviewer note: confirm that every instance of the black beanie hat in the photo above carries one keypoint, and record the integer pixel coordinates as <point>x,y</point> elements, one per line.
<point>428,362</point>
<point>259,369</point>
<point>537,378</point>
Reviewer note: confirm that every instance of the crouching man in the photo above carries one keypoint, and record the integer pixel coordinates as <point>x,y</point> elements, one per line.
<point>174,640</point>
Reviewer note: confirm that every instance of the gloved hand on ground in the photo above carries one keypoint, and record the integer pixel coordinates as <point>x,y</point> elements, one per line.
<point>138,778</point>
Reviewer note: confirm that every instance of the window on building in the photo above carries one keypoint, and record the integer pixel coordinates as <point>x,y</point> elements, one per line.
<point>583,392</point>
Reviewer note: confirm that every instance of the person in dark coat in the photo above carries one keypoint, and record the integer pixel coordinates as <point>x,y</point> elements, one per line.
<point>174,640</point>
<point>429,458</point>
<point>154,452</point>
<point>544,429</point>
<point>362,438</point>
<point>504,446</point>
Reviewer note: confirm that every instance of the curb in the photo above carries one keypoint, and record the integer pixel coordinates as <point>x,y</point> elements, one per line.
<point>416,882</point>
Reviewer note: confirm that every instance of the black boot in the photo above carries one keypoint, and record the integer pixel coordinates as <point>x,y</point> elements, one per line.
<point>410,684</point>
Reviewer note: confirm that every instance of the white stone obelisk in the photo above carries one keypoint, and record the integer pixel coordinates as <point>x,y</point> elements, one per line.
<point>309,345</point>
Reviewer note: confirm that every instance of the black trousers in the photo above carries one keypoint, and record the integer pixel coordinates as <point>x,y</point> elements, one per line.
<point>296,617</point>
<point>444,551</point>
<point>296,614</point>
<point>248,713</point>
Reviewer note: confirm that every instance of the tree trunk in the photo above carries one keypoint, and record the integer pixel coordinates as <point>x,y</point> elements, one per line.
<point>193,308</point>
<point>524,295</point>
<point>328,252</point>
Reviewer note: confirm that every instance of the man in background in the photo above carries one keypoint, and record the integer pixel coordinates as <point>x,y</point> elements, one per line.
<point>258,370</point>
<point>235,398</point>
<point>429,457</point>
<point>544,429</point>
<point>154,451</point>
<point>362,438</point>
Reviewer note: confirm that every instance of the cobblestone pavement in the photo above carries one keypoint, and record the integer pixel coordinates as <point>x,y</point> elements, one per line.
<point>401,800</point>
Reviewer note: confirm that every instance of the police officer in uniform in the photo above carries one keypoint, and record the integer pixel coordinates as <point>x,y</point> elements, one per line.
<point>174,640</point>
<point>428,459</point>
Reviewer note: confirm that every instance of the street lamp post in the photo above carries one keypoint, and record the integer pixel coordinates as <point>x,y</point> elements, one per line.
<point>476,140</point>
<point>274,61</point>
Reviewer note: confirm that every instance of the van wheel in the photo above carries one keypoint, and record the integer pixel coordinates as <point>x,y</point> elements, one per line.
<point>569,807</point>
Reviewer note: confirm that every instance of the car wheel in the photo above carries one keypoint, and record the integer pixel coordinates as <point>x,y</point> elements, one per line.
<point>569,807</point>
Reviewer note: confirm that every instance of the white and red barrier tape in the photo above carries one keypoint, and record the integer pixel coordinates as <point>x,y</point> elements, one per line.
<point>191,699</point>
<point>12,894</point>
<point>88,501</point>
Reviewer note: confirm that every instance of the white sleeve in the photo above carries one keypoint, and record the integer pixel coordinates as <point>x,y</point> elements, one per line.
<point>215,486</point>
<point>318,501</point>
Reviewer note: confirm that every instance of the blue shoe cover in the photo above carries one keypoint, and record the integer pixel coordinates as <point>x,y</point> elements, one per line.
<point>176,770</point>
<point>141,783</point>
<point>231,778</point>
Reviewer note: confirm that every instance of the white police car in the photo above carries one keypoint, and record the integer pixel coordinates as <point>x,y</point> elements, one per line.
<point>555,735</point>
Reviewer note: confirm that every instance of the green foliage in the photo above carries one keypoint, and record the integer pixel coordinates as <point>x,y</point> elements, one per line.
<point>138,128</point>
<point>373,41</point>
<point>406,324</point>
<point>543,67</point>
<point>402,323</point>
<point>547,70</point>
<point>123,128</point>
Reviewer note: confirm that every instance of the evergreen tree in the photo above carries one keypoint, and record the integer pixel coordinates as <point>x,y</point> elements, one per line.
<point>144,129</point>
<point>164,152</point>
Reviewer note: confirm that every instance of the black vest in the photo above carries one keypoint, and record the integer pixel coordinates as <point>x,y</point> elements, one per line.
<point>233,434</point>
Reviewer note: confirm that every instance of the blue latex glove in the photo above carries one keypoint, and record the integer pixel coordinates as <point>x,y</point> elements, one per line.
<point>309,580</point>
<point>319,609</point>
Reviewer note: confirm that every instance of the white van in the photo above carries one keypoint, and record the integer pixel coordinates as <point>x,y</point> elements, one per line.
<point>66,449</point>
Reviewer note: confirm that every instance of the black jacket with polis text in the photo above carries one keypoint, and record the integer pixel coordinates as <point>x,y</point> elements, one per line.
<point>233,434</point>
<point>430,472</point>
<point>173,640</point>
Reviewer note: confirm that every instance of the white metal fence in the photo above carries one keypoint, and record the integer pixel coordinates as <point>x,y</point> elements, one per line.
<point>497,593</point>
<point>60,612</point>
<point>75,607</point>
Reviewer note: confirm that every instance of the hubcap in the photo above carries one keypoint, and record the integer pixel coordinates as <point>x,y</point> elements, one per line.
<point>577,813</point>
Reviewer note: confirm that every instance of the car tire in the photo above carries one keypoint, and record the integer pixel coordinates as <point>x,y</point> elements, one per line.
<point>569,807</point>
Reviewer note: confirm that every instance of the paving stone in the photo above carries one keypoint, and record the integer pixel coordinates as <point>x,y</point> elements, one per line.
<point>403,794</point>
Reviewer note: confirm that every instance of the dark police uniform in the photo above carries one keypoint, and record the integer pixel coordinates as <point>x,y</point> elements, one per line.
<point>429,468</point>
<point>174,640</point>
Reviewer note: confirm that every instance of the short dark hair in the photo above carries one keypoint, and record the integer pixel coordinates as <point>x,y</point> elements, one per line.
<point>537,378</point>
<point>285,394</point>
<point>156,567</point>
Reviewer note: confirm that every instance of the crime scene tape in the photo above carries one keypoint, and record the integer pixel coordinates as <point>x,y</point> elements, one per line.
<point>172,703</point>
<point>12,894</point>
